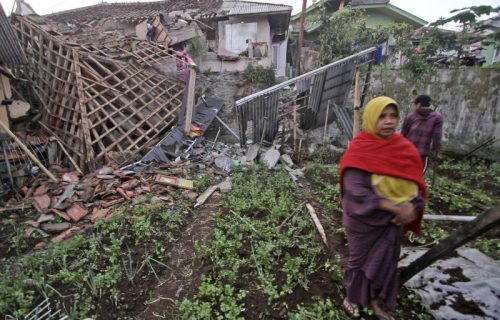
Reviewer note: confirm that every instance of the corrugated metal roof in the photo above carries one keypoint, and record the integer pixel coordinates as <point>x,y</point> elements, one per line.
<point>247,7</point>
<point>10,51</point>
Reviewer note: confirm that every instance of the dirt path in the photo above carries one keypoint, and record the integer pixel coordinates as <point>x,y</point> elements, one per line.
<point>184,272</point>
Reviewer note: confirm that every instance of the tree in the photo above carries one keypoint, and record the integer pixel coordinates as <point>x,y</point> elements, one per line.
<point>471,27</point>
<point>345,33</point>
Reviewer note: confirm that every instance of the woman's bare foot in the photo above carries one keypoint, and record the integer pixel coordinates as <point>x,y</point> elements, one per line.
<point>380,313</point>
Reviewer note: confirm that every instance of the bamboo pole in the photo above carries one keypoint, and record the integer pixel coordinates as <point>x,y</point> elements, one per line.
<point>357,103</point>
<point>317,223</point>
<point>28,152</point>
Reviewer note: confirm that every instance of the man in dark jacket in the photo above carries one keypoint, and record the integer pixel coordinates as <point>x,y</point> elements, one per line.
<point>424,127</point>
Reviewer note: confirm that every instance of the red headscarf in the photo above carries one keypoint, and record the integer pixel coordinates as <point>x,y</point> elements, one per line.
<point>394,156</point>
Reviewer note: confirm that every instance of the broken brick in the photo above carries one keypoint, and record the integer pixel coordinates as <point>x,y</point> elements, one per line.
<point>76,212</point>
<point>99,214</point>
<point>123,194</point>
<point>112,203</point>
<point>66,234</point>
<point>41,203</point>
<point>61,214</point>
<point>71,177</point>
<point>40,246</point>
<point>40,191</point>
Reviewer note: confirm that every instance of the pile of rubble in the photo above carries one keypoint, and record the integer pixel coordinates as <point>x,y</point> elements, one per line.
<point>71,206</point>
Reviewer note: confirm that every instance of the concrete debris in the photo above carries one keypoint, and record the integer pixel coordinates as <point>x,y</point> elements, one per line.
<point>287,160</point>
<point>225,186</point>
<point>252,152</point>
<point>271,157</point>
<point>18,110</point>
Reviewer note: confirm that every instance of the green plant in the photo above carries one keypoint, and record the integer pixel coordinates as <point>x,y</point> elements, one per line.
<point>265,77</point>
<point>320,310</point>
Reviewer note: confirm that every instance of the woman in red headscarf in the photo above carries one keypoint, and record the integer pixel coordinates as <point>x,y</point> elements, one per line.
<point>383,195</point>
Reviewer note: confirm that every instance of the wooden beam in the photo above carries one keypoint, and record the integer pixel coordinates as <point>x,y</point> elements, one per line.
<point>486,221</point>
<point>190,98</point>
<point>357,103</point>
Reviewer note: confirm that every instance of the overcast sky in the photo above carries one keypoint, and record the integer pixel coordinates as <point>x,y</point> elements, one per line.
<point>429,10</point>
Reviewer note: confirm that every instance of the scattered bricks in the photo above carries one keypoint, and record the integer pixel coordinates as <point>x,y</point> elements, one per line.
<point>146,188</point>
<point>99,214</point>
<point>61,214</point>
<point>112,203</point>
<point>56,227</point>
<point>76,213</point>
<point>130,185</point>
<point>71,177</point>
<point>40,246</point>
<point>41,203</point>
<point>66,234</point>
<point>40,191</point>
<point>123,194</point>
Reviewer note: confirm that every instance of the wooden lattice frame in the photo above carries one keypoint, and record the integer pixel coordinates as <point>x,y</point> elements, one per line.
<point>96,104</point>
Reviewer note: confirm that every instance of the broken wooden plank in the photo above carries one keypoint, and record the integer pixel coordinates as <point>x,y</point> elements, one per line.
<point>205,195</point>
<point>486,221</point>
<point>317,223</point>
<point>174,181</point>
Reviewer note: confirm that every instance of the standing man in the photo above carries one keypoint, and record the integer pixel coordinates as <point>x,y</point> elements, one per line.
<point>149,30</point>
<point>424,127</point>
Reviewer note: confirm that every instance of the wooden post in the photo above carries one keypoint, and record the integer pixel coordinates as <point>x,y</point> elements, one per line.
<point>28,152</point>
<point>190,97</point>
<point>357,103</point>
<point>326,121</point>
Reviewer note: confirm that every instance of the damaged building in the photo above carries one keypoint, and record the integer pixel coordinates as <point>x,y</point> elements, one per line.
<point>108,94</point>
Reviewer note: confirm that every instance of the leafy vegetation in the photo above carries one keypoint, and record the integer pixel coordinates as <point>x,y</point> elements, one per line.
<point>264,241</point>
<point>264,77</point>
<point>86,269</point>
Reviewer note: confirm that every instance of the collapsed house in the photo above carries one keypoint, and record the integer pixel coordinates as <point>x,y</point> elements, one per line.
<point>106,92</point>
